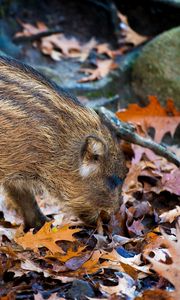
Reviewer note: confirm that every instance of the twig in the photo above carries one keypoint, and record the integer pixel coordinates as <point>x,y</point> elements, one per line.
<point>126,132</point>
<point>35,37</point>
<point>95,104</point>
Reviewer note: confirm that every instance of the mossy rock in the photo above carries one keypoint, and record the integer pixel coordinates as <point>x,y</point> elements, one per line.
<point>157,69</point>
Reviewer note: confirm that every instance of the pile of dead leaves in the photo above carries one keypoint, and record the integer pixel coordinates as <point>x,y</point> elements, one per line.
<point>135,256</point>
<point>58,46</point>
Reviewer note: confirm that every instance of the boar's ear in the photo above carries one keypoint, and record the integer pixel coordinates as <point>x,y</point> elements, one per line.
<point>93,149</point>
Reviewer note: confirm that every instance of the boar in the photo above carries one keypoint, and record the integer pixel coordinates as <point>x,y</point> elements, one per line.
<point>50,141</point>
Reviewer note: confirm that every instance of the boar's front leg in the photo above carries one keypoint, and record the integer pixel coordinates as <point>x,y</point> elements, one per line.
<point>25,200</point>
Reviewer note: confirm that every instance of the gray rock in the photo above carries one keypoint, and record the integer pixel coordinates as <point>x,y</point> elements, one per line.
<point>175,3</point>
<point>8,48</point>
<point>80,290</point>
<point>157,69</point>
<point>116,82</point>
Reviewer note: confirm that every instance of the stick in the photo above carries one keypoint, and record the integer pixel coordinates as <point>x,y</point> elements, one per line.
<point>95,104</point>
<point>35,37</point>
<point>127,133</point>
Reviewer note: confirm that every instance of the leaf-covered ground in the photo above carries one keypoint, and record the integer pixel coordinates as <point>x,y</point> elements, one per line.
<point>135,256</point>
<point>57,46</point>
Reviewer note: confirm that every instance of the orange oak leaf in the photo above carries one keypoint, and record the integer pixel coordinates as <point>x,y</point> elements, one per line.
<point>153,115</point>
<point>93,264</point>
<point>152,241</point>
<point>155,294</point>
<point>46,237</point>
<point>66,256</point>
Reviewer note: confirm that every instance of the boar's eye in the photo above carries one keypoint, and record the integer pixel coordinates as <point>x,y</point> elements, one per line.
<point>95,157</point>
<point>114,181</point>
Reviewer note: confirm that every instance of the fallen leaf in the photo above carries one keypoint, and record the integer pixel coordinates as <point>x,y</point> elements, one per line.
<point>46,237</point>
<point>153,115</point>
<point>53,296</point>
<point>126,286</point>
<point>152,241</point>
<point>31,266</point>
<point>104,49</point>
<point>103,68</point>
<point>59,41</point>
<point>92,265</point>
<point>29,29</point>
<point>175,149</point>
<point>170,215</point>
<point>155,294</point>
<point>10,296</point>
<point>171,270</point>
<point>128,34</point>
<point>135,261</point>
<point>57,45</point>
<point>86,49</point>
<point>9,210</point>
<point>171,182</point>
<point>69,255</point>
<point>136,228</point>
<point>8,232</point>
<point>76,262</point>
<point>132,183</point>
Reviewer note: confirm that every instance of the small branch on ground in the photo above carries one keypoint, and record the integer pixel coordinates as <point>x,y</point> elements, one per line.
<point>35,37</point>
<point>127,133</point>
<point>95,104</point>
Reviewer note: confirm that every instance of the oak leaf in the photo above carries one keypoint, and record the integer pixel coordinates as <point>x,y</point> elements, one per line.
<point>117,260</point>
<point>155,294</point>
<point>153,115</point>
<point>29,265</point>
<point>152,241</point>
<point>29,29</point>
<point>126,286</point>
<point>170,271</point>
<point>71,253</point>
<point>170,215</point>
<point>103,68</point>
<point>57,45</point>
<point>92,264</point>
<point>46,237</point>
<point>53,296</point>
<point>170,181</point>
<point>104,49</point>
<point>136,228</point>
<point>59,41</point>
<point>128,34</point>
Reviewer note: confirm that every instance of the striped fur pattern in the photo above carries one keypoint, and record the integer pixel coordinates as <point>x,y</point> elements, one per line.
<point>49,140</point>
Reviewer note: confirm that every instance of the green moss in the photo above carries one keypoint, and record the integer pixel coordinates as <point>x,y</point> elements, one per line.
<point>157,70</point>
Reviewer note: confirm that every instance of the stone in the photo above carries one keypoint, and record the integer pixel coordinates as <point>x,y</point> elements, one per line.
<point>175,3</point>
<point>157,69</point>
<point>80,290</point>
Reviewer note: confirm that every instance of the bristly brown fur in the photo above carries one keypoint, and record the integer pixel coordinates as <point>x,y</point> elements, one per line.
<point>42,133</point>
